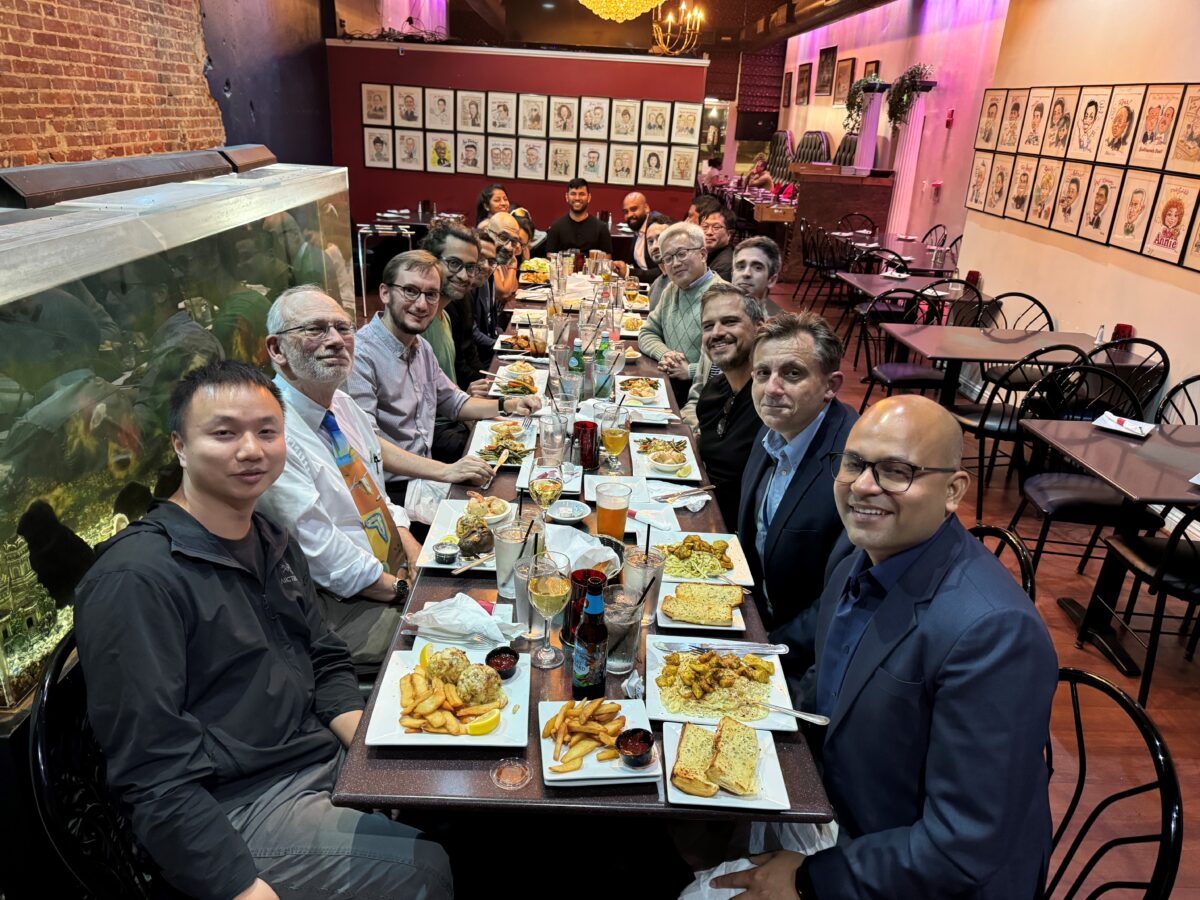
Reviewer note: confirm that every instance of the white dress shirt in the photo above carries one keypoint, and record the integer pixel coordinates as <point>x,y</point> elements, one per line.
<point>311,498</point>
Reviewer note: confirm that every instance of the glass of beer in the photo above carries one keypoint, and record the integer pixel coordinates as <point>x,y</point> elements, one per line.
<point>612,507</point>
<point>614,434</point>
<point>545,483</point>
<point>549,587</point>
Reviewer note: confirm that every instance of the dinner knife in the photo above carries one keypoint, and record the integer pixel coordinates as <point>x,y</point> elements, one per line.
<point>701,646</point>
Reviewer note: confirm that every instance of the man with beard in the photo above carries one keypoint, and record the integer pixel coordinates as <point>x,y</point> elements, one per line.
<point>485,328</point>
<point>577,230</point>
<point>637,216</point>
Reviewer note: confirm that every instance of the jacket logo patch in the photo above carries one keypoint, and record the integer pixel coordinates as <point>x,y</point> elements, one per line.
<point>287,576</point>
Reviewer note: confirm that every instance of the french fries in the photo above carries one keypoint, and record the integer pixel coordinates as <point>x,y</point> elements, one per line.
<point>434,707</point>
<point>581,729</point>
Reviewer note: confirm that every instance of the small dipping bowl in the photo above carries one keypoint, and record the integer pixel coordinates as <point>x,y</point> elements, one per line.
<point>568,511</point>
<point>445,553</point>
<point>504,661</point>
<point>636,746</point>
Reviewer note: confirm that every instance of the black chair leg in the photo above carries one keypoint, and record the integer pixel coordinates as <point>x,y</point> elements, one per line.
<point>992,460</point>
<point>867,396</point>
<point>1041,542</point>
<point>1134,590</point>
<point>1195,637</point>
<point>1152,648</point>
<point>1087,551</point>
<point>1012,525</point>
<point>979,482</point>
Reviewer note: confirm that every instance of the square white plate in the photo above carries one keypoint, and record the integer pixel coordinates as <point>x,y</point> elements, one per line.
<point>739,574</point>
<point>384,729</point>
<point>524,318</point>
<point>665,621</point>
<point>502,346</point>
<point>629,332</point>
<point>593,771</point>
<point>482,435</point>
<point>444,522</point>
<point>778,696</point>
<point>539,381</point>
<point>641,461</point>
<point>659,401</point>
<point>571,485</point>
<point>772,791</point>
<point>638,484</point>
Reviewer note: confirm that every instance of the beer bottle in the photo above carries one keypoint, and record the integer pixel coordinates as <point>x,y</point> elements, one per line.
<point>591,645</point>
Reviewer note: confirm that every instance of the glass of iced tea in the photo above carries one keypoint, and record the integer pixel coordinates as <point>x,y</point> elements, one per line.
<point>614,435</point>
<point>612,507</point>
<point>549,587</point>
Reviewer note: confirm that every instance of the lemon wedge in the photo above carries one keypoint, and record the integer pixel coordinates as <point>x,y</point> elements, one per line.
<point>425,651</point>
<point>684,472</point>
<point>485,723</point>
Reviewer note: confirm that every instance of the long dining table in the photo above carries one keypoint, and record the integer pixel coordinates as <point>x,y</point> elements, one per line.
<point>920,259</point>
<point>424,778</point>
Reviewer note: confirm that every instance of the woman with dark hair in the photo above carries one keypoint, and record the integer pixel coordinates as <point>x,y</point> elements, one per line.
<point>492,199</point>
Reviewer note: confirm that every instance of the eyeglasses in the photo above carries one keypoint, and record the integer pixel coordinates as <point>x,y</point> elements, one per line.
<point>455,265</point>
<point>892,475</point>
<point>713,226</point>
<point>721,425</point>
<point>410,293</point>
<point>503,237</point>
<point>314,330</point>
<point>669,259</point>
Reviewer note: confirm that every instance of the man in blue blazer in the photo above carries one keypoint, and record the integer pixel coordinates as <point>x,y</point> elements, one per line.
<point>787,521</point>
<point>937,673</point>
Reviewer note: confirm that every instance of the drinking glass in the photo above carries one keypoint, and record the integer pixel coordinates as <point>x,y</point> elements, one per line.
<point>552,436</point>
<point>560,363</point>
<point>549,587</point>
<point>612,507</point>
<point>560,325</point>
<point>609,368</point>
<point>640,568</point>
<point>545,483</point>
<point>623,618</point>
<point>521,607</point>
<point>507,540</point>
<point>631,290</point>
<point>570,386</point>
<point>614,434</point>
<point>537,338</point>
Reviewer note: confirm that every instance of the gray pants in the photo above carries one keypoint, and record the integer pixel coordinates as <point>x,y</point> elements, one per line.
<point>366,626</point>
<point>308,849</point>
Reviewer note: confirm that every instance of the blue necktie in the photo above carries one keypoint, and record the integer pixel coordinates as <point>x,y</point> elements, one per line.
<point>341,446</point>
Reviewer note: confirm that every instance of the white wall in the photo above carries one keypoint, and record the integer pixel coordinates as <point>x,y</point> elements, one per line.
<point>1069,42</point>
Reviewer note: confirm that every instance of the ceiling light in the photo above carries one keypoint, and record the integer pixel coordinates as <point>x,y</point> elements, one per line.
<point>619,10</point>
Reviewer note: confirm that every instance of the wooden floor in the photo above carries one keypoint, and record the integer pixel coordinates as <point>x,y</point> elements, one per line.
<point>1117,758</point>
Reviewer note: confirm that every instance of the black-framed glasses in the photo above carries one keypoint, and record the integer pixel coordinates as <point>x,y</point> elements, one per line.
<point>314,330</point>
<point>893,476</point>
<point>455,265</point>
<point>724,423</point>
<point>410,293</point>
<point>669,259</point>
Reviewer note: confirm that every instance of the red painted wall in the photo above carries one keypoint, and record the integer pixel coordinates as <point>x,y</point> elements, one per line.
<point>373,190</point>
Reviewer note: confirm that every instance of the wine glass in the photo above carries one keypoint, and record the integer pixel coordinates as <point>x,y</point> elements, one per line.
<point>614,433</point>
<point>549,588</point>
<point>545,483</point>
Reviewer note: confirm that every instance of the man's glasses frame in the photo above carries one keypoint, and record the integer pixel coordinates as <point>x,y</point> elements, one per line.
<point>314,330</point>
<point>669,259</point>
<point>894,476</point>
<point>455,265</point>
<point>411,294</point>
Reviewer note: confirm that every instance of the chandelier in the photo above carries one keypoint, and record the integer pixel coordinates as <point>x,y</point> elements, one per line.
<point>619,10</point>
<point>678,31</point>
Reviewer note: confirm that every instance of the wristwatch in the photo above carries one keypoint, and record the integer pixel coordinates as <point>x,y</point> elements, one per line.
<point>401,586</point>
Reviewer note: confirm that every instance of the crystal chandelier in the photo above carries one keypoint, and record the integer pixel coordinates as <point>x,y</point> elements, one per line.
<point>619,10</point>
<point>678,31</point>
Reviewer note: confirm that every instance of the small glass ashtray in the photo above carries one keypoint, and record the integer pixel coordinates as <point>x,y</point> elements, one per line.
<point>511,774</point>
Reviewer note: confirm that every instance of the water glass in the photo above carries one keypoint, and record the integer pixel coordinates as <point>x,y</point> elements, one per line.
<point>570,388</point>
<point>552,436</point>
<point>609,369</point>
<point>642,566</point>
<point>537,338</point>
<point>507,540</point>
<point>560,326</point>
<point>623,618</point>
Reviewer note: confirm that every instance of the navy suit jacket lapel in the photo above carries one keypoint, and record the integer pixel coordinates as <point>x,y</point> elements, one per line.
<point>752,480</point>
<point>810,467</point>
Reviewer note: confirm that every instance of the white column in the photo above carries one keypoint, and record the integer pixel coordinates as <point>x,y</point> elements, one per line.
<point>868,134</point>
<point>908,148</point>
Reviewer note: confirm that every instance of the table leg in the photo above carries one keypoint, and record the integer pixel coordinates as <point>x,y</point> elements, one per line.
<point>950,385</point>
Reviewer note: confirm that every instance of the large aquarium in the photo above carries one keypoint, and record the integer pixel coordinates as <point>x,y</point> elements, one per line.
<point>104,304</point>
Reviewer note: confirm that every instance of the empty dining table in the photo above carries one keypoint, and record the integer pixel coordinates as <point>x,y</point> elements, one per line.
<point>920,259</point>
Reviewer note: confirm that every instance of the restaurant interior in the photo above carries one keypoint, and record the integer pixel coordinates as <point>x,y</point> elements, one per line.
<point>991,205</point>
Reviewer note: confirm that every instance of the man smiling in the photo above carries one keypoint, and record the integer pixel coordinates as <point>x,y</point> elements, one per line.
<point>577,230</point>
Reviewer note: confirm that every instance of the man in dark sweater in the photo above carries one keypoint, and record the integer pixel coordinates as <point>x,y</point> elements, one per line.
<point>718,231</point>
<point>219,697</point>
<point>577,230</point>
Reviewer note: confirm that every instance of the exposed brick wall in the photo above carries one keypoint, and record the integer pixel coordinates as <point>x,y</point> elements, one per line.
<point>90,79</point>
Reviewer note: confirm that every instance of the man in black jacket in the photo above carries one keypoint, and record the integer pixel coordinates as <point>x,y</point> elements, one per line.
<point>220,699</point>
<point>718,228</point>
<point>577,230</point>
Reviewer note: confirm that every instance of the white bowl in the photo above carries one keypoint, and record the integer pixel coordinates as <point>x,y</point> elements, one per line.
<point>500,516</point>
<point>568,511</point>
<point>669,468</point>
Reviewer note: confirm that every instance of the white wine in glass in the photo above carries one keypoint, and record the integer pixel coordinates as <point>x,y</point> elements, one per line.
<point>545,482</point>
<point>549,588</point>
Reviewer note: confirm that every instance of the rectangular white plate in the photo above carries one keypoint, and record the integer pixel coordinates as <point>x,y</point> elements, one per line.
<point>444,521</point>
<point>523,318</point>
<point>638,484</point>
<point>593,771</point>
<point>629,332</point>
<point>482,435</point>
<point>571,484</point>
<point>659,401</point>
<point>384,730</point>
<point>778,696</point>
<point>772,791</point>
<point>739,574</point>
<point>665,621</point>
<point>502,346</point>
<point>539,381</point>
<point>643,467</point>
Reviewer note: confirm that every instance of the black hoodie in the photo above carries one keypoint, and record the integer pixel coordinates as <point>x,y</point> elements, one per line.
<point>205,686</point>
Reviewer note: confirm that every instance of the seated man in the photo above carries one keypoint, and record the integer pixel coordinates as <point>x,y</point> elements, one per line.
<point>486,326</point>
<point>787,522</point>
<point>718,231</point>
<point>701,206</point>
<point>660,281</point>
<point>576,230</point>
<point>938,675</point>
<point>506,231</point>
<point>221,700</point>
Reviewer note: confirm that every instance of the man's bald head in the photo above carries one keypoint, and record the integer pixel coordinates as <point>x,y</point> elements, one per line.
<point>929,422</point>
<point>636,209</point>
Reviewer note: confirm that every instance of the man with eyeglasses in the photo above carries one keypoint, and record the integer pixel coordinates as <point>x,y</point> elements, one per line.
<point>486,327</point>
<point>718,231</point>
<point>576,230</point>
<point>457,250</point>
<point>503,227</point>
<point>937,673</point>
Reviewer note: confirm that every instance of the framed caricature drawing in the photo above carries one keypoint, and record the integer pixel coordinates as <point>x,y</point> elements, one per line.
<point>1021,187</point>
<point>685,123</point>
<point>656,119</point>
<point>1009,139</point>
<point>1101,202</point>
<point>1116,137</point>
<point>1037,107</point>
<point>439,109</point>
<point>990,118</point>
<point>1089,123</point>
<point>439,152</point>
<point>593,118</point>
<point>562,161</point>
<point>786,99</point>
<point>377,148</point>
<point>593,161</point>
<point>377,104</point>
<point>682,169</point>
<point>470,154</point>
<point>1184,155</point>
<point>843,77</point>
<point>1172,216</point>
<point>1045,192</point>
<point>1191,253</point>
<point>622,164</point>
<point>1068,205</point>
<point>981,167</point>
<point>1059,122</point>
<point>471,111</point>
<point>502,155</point>
<point>501,113</point>
<point>532,115</point>
<point>409,150</point>
<point>826,61</point>
<point>625,121</point>
<point>531,159</point>
<point>803,84</point>
<point>564,117</point>
<point>1133,211</point>
<point>998,181</point>
<point>652,165</point>
<point>409,105</point>
<point>1153,135</point>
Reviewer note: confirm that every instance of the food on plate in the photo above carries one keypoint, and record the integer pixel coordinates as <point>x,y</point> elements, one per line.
<point>447,664</point>
<point>571,302</point>
<point>474,535</point>
<point>632,353</point>
<point>507,429</point>
<point>537,264</point>
<point>517,386</point>
<point>479,684</point>
<point>703,604</point>
<point>693,557</point>
<point>534,278</point>
<point>519,342</point>
<point>654,445</point>
<point>520,368</point>
<point>642,388</point>
<point>579,729</point>
<point>692,756</point>
<point>632,323</point>
<point>446,697</point>
<point>708,685</point>
<point>483,507</point>
<point>504,661</point>
<point>641,301</point>
<point>636,747</point>
<point>668,458</point>
<point>516,451</point>
<point>705,762</point>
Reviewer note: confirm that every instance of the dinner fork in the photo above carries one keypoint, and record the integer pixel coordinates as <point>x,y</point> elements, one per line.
<point>730,581</point>
<point>814,718</point>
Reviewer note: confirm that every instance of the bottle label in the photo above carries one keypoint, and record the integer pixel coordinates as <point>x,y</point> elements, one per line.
<point>589,664</point>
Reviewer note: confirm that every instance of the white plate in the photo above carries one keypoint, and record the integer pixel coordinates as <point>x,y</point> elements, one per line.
<point>739,574</point>
<point>568,511</point>
<point>524,318</point>
<point>444,520</point>
<point>571,485</point>
<point>644,467</point>
<point>638,484</point>
<point>531,294</point>
<point>539,381</point>
<point>501,347</point>
<point>772,791</point>
<point>665,621</point>
<point>482,435</point>
<point>383,729</point>
<point>778,696</point>
<point>636,306</point>
<point>593,771</point>
<point>658,401</point>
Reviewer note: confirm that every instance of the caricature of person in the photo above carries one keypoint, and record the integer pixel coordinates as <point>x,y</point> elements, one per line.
<point>653,166</point>
<point>439,115</point>
<point>592,165</point>
<point>532,164</point>
<point>1062,132</point>
<point>1164,125</point>
<point>1133,215</point>
<point>563,120</point>
<point>410,150</point>
<point>1021,192</point>
<point>560,165</point>
<point>441,154</point>
<point>378,150</point>
<point>1087,125</point>
<point>681,168</point>
<point>623,163</point>
<point>497,162</point>
<point>1034,135</point>
<point>977,184</point>
<point>996,196</point>
<point>1152,115</point>
<point>500,115</point>
<point>470,156</point>
<point>1012,125</point>
<point>506,157</point>
<point>1066,203</point>
<point>409,111</point>
<point>1043,198</point>
<point>1120,127</point>
<point>987,131</point>
<point>1099,202</point>
<point>1171,217</point>
<point>376,106</point>
<point>625,122</point>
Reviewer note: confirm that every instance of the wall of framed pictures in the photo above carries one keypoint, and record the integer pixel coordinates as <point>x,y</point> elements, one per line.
<point>442,122</point>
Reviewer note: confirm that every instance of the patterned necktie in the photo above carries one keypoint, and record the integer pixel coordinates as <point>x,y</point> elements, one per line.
<point>377,519</point>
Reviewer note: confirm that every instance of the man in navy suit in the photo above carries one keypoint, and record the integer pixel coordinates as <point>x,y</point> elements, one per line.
<point>787,522</point>
<point>937,674</point>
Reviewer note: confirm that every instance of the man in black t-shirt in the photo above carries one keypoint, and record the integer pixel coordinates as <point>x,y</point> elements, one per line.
<point>577,230</point>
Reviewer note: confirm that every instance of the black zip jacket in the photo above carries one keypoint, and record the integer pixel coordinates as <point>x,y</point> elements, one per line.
<point>205,686</point>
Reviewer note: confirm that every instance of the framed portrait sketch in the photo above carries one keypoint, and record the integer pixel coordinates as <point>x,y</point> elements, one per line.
<point>377,104</point>
<point>501,112</point>
<point>1103,192</point>
<point>593,118</point>
<point>1133,211</point>
<point>656,119</point>
<point>409,147</point>
<point>871,67</point>
<point>1068,205</point>
<point>502,155</point>
<point>685,123</point>
<point>1191,253</point>
<point>1014,116</point>
<point>991,112</point>
<point>843,77</point>
<point>652,165</point>
<point>377,148</point>
<point>471,113</point>
<point>1116,136</point>
<point>532,115</point>
<point>439,152</point>
<point>803,84</point>
<point>998,181</point>
<point>409,106</point>
<point>562,161</point>
<point>977,187</point>
<point>593,161</point>
<point>786,100</point>
<point>470,154</point>
<point>826,60</point>
<point>1020,187</point>
<point>439,109</point>
<point>681,172</point>
<point>1172,216</point>
<point>531,158</point>
<point>1089,123</point>
<point>1036,109</point>
<point>564,117</point>
<point>622,163</point>
<point>625,121</point>
<point>1059,122</point>
<point>1184,155</point>
<point>1153,135</point>
<point>1045,191</point>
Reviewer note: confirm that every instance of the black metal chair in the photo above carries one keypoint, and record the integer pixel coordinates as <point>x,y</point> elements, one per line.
<point>1007,539</point>
<point>1181,404</point>
<point>81,818</point>
<point>867,262</point>
<point>898,373</point>
<point>955,247</point>
<point>935,236</point>
<point>1146,376</point>
<point>1168,834</point>
<point>1017,311</point>
<point>855,221</point>
<point>964,303</point>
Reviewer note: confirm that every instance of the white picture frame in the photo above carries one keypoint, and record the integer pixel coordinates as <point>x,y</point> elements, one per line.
<point>564,118</point>
<point>652,164</point>
<point>470,112</point>
<point>502,157</point>
<point>625,121</point>
<point>1120,125</point>
<point>377,104</point>
<point>408,106</point>
<point>622,164</point>
<point>1103,194</point>
<point>656,121</point>
<point>681,172</point>
<point>410,150</point>
<point>439,152</point>
<point>470,154</point>
<point>501,112</point>
<point>377,148</point>
<point>593,118</point>
<point>592,164</point>
<point>439,109</point>
<point>686,120</point>
<point>1090,116</point>
<point>532,115</point>
<point>560,161</point>
<point>531,159</point>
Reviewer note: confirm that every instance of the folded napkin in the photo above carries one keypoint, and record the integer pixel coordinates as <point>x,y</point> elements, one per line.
<point>634,687</point>
<point>892,273</point>
<point>694,503</point>
<point>1122,425</point>
<point>458,617</point>
<point>582,549</point>
<point>587,413</point>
